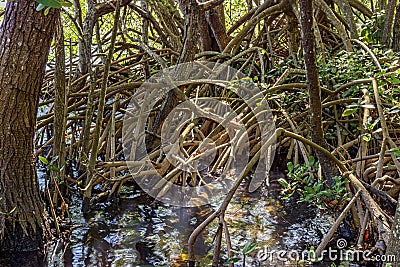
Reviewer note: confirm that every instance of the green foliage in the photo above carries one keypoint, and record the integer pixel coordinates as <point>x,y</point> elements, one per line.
<point>47,4</point>
<point>396,152</point>
<point>43,160</point>
<point>342,264</point>
<point>349,111</point>
<point>312,259</point>
<point>50,164</point>
<point>7,213</point>
<point>232,260</point>
<point>309,186</point>
<point>234,9</point>
<point>247,249</point>
<point>372,29</point>
<point>344,67</point>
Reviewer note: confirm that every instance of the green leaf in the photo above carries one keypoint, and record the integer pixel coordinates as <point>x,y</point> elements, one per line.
<point>40,7</point>
<point>11,211</point>
<point>394,79</point>
<point>318,187</point>
<point>66,3</point>
<point>367,137</point>
<point>283,182</point>
<point>326,193</point>
<point>311,161</point>
<point>54,169</point>
<point>53,160</point>
<point>46,11</point>
<point>309,190</point>
<point>395,151</point>
<point>43,160</point>
<point>350,111</point>
<point>50,3</point>
<point>290,166</point>
<point>248,248</point>
<point>8,213</point>
<point>232,260</point>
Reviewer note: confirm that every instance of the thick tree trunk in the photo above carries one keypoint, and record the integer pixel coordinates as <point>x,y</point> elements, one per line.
<point>193,17</point>
<point>25,37</point>
<point>217,25</point>
<point>314,90</point>
<point>387,28</point>
<point>394,241</point>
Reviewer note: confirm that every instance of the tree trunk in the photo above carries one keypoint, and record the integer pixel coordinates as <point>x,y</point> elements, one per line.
<point>344,5</point>
<point>394,240</point>
<point>396,30</point>
<point>387,28</point>
<point>217,25</point>
<point>193,18</point>
<point>202,25</point>
<point>25,37</point>
<point>193,27</point>
<point>314,90</point>
<point>60,111</point>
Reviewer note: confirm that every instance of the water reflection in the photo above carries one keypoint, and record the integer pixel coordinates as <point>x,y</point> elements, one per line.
<point>135,232</point>
<point>23,259</point>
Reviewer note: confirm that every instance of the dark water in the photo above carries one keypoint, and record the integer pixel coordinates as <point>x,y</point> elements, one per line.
<point>135,232</point>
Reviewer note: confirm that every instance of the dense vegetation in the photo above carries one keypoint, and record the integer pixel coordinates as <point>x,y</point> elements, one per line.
<point>330,80</point>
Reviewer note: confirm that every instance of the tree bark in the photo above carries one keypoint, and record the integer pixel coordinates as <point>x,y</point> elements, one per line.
<point>192,14</point>
<point>387,28</point>
<point>396,30</point>
<point>317,135</point>
<point>25,37</point>
<point>193,21</point>
<point>60,110</point>
<point>217,25</point>
<point>344,5</point>
<point>394,240</point>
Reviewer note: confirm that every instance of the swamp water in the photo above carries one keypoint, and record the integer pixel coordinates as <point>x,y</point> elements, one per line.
<point>136,232</point>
